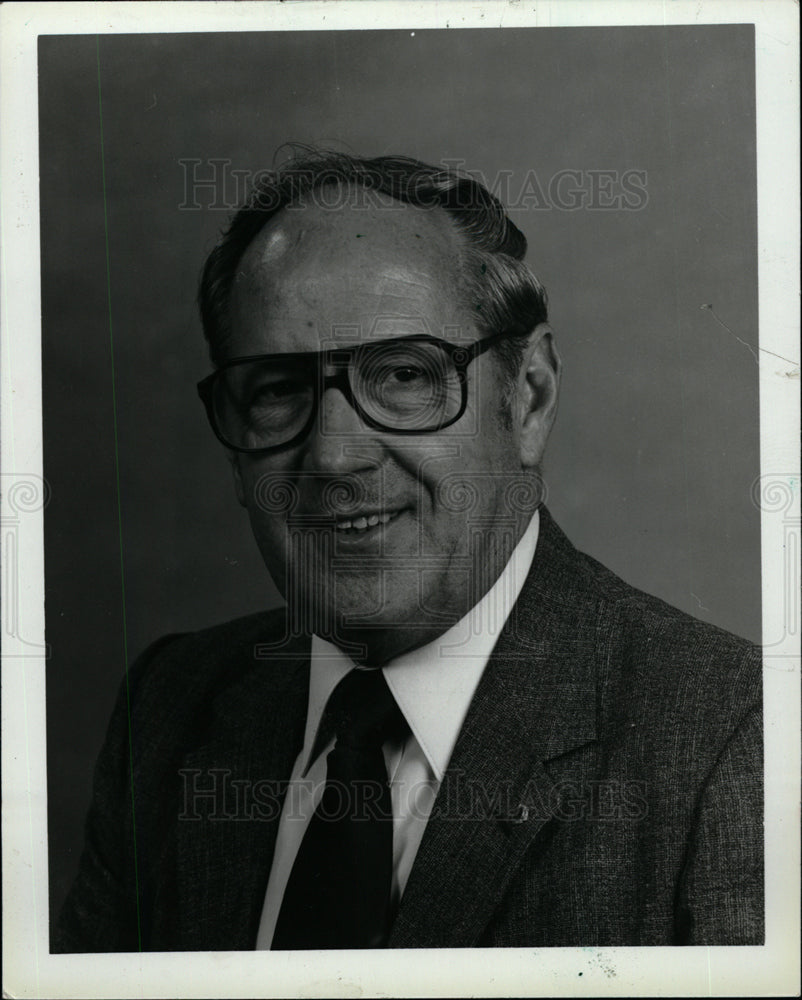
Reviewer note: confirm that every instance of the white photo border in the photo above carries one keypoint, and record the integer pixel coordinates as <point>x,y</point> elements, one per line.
<point>29,969</point>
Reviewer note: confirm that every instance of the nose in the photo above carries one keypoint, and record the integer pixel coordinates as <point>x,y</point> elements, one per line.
<point>339,442</point>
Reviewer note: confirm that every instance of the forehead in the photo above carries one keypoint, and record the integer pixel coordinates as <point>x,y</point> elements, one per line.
<point>357,266</point>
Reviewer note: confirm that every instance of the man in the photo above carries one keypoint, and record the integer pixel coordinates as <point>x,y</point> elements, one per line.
<point>460,731</point>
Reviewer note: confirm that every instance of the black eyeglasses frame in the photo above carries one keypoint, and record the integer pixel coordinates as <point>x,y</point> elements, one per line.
<point>461,356</point>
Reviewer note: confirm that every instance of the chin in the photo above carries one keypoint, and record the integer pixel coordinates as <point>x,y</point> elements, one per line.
<point>370,613</point>
<point>328,605</point>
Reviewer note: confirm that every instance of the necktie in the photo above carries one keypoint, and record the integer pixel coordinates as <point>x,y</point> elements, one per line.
<point>338,893</point>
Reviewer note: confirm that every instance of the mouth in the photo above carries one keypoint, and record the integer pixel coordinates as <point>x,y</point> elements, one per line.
<point>366,522</point>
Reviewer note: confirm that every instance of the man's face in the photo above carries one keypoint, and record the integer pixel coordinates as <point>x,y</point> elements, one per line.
<point>319,277</point>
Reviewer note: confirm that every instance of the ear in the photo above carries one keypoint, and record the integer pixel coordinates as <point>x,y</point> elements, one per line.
<point>538,389</point>
<point>239,486</point>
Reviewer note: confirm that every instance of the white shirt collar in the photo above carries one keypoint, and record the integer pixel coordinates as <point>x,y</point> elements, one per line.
<point>434,684</point>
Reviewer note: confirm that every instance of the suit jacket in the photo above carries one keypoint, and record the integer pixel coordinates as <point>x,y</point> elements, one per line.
<point>605,789</point>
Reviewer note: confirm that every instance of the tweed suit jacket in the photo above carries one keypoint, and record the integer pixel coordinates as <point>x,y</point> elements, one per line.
<point>605,789</point>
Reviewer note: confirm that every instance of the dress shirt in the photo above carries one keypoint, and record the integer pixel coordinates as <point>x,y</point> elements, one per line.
<point>433,686</point>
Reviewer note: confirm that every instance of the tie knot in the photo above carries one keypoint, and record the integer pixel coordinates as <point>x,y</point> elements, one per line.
<point>363,710</point>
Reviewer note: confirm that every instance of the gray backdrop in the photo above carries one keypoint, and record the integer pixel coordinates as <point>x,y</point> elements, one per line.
<point>656,445</point>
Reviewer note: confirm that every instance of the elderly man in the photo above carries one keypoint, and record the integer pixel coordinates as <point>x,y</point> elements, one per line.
<point>460,731</point>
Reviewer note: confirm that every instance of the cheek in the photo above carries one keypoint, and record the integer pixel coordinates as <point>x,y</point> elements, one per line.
<point>476,481</point>
<point>270,495</point>
<point>271,538</point>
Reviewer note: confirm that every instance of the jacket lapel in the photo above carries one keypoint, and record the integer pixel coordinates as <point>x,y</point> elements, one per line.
<point>224,856</point>
<point>536,702</point>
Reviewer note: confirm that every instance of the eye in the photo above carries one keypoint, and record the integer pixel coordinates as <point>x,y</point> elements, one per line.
<point>405,373</point>
<point>281,388</point>
<point>278,390</point>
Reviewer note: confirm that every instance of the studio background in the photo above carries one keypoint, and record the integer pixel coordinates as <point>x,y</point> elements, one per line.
<point>656,446</point>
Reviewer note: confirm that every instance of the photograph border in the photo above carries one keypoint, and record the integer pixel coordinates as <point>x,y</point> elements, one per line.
<point>29,969</point>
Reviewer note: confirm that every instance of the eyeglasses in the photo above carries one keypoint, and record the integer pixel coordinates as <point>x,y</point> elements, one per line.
<point>406,385</point>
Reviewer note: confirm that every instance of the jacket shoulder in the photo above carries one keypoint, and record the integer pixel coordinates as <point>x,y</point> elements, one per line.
<point>662,621</point>
<point>654,627</point>
<point>656,665</point>
<point>580,582</point>
<point>173,689</point>
<point>197,660</point>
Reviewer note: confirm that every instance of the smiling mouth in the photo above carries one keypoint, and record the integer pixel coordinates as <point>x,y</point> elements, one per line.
<point>363,523</point>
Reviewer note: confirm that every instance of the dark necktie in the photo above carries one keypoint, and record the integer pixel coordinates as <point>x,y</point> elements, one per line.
<point>338,893</point>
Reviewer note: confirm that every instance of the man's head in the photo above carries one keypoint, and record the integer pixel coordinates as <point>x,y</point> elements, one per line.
<point>335,252</point>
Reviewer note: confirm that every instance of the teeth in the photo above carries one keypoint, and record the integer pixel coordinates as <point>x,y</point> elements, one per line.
<point>362,523</point>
